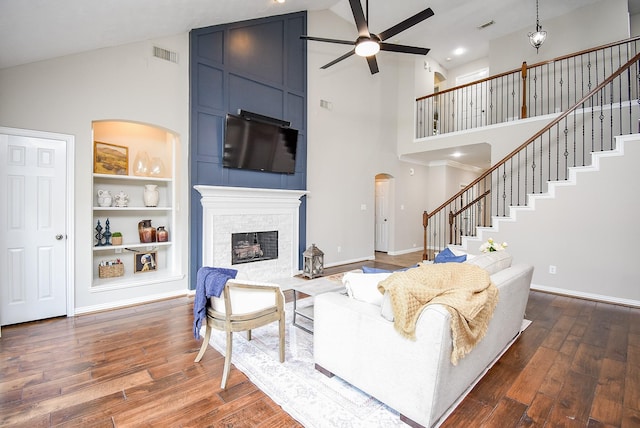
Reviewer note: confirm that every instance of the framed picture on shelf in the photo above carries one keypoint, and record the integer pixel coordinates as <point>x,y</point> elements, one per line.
<point>110,159</point>
<point>145,261</point>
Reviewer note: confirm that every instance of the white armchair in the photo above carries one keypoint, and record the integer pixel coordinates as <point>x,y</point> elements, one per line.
<point>242,306</point>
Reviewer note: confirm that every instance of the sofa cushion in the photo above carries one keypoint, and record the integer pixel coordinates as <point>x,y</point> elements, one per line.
<point>492,262</point>
<point>364,287</point>
<point>386,309</point>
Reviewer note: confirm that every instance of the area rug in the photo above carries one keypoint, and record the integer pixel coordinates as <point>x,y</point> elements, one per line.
<point>313,399</point>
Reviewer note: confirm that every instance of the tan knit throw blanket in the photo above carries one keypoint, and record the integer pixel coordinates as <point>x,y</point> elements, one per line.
<point>465,290</point>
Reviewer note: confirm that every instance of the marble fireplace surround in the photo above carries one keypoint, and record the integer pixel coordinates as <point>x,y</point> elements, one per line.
<point>228,210</point>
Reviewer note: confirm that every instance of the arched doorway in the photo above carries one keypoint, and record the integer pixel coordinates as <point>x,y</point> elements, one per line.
<point>384,191</point>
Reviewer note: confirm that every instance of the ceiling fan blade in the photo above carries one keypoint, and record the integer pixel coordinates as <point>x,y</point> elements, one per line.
<point>337,60</point>
<point>403,49</point>
<point>321,39</point>
<point>373,64</point>
<point>358,16</point>
<point>407,23</point>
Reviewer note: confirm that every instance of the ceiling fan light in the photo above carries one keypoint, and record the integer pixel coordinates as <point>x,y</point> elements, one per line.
<point>367,48</point>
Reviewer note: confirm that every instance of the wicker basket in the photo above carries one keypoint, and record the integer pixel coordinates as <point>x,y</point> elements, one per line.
<point>111,271</point>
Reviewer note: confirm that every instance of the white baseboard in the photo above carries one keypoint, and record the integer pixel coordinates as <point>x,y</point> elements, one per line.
<point>407,251</point>
<point>130,302</point>
<point>587,296</point>
<point>346,262</point>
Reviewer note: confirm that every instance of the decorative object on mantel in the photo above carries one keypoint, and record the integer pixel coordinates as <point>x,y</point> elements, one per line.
<point>146,231</point>
<point>537,37</point>
<point>162,234</point>
<point>151,195</point>
<point>116,238</point>
<point>141,164</point>
<point>99,236</point>
<point>491,246</point>
<point>313,262</point>
<point>122,199</point>
<point>105,199</point>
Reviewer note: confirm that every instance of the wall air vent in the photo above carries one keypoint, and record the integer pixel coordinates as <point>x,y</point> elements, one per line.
<point>486,24</point>
<point>165,54</point>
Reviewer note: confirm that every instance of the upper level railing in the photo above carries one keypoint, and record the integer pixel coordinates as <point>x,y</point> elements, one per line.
<point>532,90</point>
<point>607,109</point>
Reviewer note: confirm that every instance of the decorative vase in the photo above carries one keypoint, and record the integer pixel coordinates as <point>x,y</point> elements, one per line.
<point>146,231</point>
<point>162,234</point>
<point>151,195</point>
<point>156,168</point>
<point>141,164</point>
<point>105,199</point>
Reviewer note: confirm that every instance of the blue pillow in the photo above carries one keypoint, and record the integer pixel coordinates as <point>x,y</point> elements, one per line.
<point>447,256</point>
<point>367,269</point>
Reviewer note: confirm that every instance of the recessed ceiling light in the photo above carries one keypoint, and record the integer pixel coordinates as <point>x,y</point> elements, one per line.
<point>280,1</point>
<point>456,154</point>
<point>459,51</point>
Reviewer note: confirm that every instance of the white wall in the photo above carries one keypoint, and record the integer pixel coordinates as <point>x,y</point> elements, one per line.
<point>584,28</point>
<point>66,94</point>
<point>351,143</point>
<point>587,231</point>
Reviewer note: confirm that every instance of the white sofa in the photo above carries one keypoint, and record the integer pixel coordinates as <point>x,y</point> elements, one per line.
<point>354,341</point>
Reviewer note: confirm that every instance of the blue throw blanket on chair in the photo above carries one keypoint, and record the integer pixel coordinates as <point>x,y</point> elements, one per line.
<point>210,281</point>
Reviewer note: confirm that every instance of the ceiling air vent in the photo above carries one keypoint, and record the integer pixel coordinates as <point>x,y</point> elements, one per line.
<point>165,54</point>
<point>486,24</point>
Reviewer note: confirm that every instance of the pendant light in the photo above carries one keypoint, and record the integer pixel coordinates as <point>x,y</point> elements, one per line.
<point>538,37</point>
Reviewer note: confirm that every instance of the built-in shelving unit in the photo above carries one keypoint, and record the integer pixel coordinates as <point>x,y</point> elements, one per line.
<point>133,139</point>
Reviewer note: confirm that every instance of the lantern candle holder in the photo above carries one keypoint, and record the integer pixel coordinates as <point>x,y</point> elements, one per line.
<point>313,262</point>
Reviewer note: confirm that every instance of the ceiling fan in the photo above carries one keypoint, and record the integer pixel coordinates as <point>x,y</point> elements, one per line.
<point>368,44</point>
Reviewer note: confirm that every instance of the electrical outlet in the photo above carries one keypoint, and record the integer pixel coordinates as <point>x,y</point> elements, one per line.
<point>552,269</point>
<point>339,249</point>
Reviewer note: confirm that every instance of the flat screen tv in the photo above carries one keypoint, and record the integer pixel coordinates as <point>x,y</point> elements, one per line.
<point>259,145</point>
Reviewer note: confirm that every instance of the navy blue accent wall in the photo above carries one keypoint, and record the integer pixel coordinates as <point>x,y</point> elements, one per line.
<point>258,66</point>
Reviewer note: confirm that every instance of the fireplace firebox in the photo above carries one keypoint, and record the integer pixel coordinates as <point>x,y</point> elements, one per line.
<point>248,247</point>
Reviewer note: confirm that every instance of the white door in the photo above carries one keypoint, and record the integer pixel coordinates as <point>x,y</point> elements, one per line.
<point>382,216</point>
<point>33,222</point>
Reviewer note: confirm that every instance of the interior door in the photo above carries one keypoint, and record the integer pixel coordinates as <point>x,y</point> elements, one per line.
<point>382,216</point>
<point>33,226</point>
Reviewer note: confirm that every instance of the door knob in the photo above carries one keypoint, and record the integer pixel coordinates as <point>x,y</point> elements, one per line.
<point>59,237</point>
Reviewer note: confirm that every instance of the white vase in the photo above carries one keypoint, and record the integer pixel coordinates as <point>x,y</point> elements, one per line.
<point>151,195</point>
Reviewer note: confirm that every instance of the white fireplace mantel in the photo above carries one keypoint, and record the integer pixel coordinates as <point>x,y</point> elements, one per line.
<point>228,210</point>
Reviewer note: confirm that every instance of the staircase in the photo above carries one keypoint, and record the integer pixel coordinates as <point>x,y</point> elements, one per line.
<point>582,237</point>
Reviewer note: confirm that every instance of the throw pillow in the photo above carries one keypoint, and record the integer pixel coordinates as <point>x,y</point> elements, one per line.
<point>447,256</point>
<point>364,287</point>
<point>367,269</point>
<point>492,262</point>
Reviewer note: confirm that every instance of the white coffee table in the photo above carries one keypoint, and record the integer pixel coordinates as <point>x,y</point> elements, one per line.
<point>311,288</point>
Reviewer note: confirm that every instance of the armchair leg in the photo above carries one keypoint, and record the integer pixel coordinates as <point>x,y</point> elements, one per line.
<point>205,343</point>
<point>227,360</point>
<point>281,336</point>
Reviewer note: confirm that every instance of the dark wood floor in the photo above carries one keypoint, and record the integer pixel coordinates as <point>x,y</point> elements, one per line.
<point>577,365</point>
